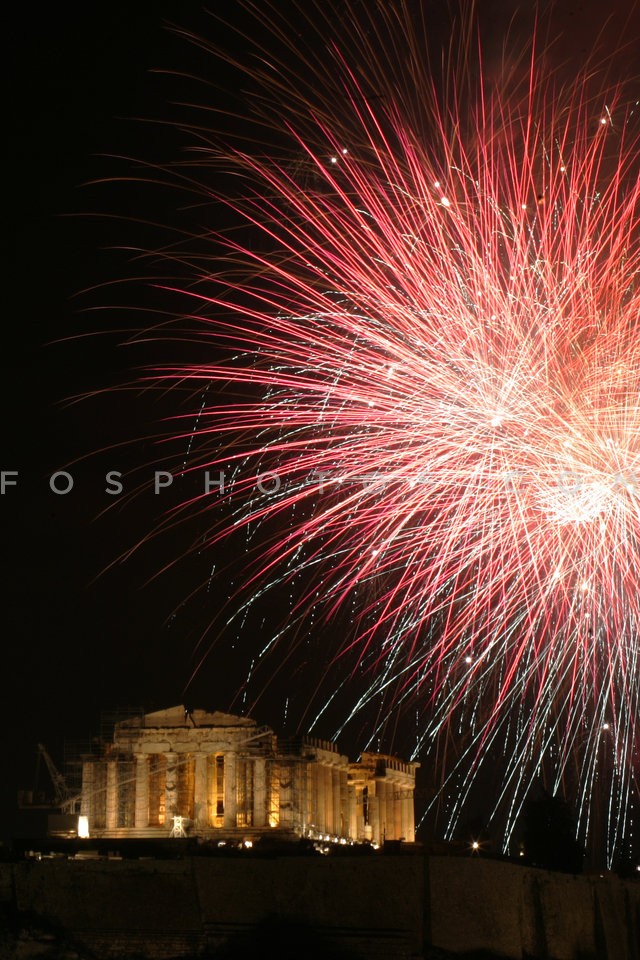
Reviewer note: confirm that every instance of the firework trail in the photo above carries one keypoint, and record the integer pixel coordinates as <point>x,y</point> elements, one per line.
<point>437,341</point>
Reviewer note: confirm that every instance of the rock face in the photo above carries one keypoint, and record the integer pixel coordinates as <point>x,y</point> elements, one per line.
<point>383,907</point>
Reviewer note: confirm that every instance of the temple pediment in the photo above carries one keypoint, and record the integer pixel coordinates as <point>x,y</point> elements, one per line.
<point>179,716</point>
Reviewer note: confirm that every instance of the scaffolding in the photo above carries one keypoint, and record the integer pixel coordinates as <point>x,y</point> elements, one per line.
<point>225,776</point>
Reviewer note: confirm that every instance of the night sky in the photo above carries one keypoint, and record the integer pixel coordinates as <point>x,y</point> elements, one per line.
<point>74,644</point>
<point>78,638</point>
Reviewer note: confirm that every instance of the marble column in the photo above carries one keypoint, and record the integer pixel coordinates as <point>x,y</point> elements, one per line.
<point>285,785</point>
<point>309,813</point>
<point>87,800</point>
<point>200,798</point>
<point>398,790</point>
<point>142,792</point>
<point>313,796</point>
<point>327,799</point>
<point>171,789</point>
<point>259,793</point>
<point>353,812</point>
<point>230,792</point>
<point>409,817</point>
<point>337,818</point>
<point>381,812</point>
<point>401,790</point>
<point>389,829</point>
<point>386,813</point>
<point>391,810</point>
<point>375,811</point>
<point>112,796</point>
<point>314,816</point>
<point>273,792</point>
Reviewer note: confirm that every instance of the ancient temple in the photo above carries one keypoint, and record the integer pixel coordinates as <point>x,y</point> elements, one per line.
<point>217,776</point>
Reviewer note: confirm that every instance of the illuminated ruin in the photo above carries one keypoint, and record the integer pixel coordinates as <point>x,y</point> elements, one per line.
<point>218,776</point>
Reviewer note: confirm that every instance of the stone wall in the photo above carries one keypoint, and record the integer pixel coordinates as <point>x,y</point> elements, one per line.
<point>517,912</point>
<point>384,906</point>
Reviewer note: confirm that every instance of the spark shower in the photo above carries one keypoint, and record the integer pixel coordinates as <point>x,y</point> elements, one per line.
<point>430,335</point>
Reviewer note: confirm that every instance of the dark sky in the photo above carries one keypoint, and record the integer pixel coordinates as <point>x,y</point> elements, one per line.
<point>83,632</point>
<point>81,80</point>
<point>74,645</point>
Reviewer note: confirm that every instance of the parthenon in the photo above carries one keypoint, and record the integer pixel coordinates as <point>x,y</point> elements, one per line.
<point>215,775</point>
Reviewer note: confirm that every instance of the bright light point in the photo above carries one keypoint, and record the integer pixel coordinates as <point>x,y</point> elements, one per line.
<point>436,184</point>
<point>524,206</point>
<point>563,169</point>
<point>496,421</point>
<point>375,552</point>
<point>603,119</point>
<point>248,844</point>
<point>83,827</point>
<point>445,202</point>
<point>574,500</point>
<point>475,845</point>
<point>605,726</point>
<point>468,659</point>
<point>344,151</point>
<point>584,586</point>
<point>334,159</point>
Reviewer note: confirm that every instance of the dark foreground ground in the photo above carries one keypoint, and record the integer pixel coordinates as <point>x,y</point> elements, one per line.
<point>357,908</point>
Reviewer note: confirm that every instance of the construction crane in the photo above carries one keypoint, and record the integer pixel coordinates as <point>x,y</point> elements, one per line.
<point>63,798</point>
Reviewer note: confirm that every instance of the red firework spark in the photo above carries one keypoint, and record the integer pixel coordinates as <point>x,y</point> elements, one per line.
<point>443,334</point>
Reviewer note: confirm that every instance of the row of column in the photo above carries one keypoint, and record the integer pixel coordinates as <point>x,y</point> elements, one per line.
<point>302,796</point>
<point>201,791</point>
<point>391,812</point>
<point>326,808</point>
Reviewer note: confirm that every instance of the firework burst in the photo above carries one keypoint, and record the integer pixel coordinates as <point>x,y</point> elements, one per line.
<point>438,338</point>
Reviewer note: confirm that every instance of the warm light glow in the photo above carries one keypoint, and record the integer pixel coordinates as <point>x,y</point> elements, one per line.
<point>83,827</point>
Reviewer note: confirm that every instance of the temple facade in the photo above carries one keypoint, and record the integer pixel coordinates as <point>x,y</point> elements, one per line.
<point>217,776</point>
